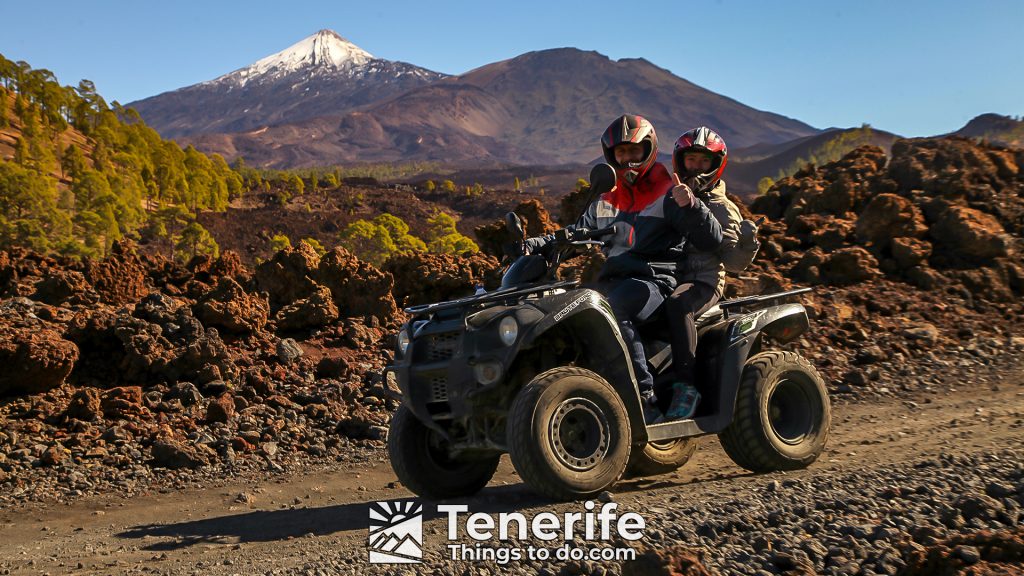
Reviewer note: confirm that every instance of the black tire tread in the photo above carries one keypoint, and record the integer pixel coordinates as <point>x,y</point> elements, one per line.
<point>527,465</point>
<point>642,463</point>
<point>744,440</point>
<point>406,429</point>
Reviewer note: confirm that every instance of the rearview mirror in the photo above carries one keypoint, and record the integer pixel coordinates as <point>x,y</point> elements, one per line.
<point>514,227</point>
<point>602,178</point>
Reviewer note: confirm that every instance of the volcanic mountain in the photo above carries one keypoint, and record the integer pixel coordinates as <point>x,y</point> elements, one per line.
<point>321,74</point>
<point>547,107</point>
<point>995,128</point>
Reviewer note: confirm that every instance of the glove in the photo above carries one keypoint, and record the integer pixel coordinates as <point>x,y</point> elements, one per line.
<point>730,237</point>
<point>533,245</point>
<point>748,234</point>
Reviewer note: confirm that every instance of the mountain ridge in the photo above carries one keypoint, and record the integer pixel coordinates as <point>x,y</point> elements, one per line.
<point>541,107</point>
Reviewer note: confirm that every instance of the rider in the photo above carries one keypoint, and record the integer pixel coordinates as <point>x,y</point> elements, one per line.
<point>698,161</point>
<point>655,222</point>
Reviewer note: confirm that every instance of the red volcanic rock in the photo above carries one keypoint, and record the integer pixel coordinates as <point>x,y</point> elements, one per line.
<point>969,234</point>
<point>169,453</point>
<point>952,167</point>
<point>85,405</point>
<point>123,402</point>
<point>313,312</point>
<point>533,217</point>
<point>61,286</point>
<point>889,216</point>
<point>424,278</point>
<point>849,266</point>
<point>32,358</point>
<point>207,269</point>
<point>220,409</point>
<point>230,307</point>
<point>164,344</point>
<point>910,252</point>
<point>832,234</point>
<point>119,278</point>
<point>358,288</point>
<point>289,275</point>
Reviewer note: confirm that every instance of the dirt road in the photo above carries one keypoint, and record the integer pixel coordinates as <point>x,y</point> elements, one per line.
<point>317,521</point>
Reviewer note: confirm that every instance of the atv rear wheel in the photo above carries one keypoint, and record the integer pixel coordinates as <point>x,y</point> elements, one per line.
<point>660,457</point>
<point>568,434</point>
<point>782,414</point>
<point>420,459</point>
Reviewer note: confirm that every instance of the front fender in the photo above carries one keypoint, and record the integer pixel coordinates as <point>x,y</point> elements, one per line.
<point>587,314</point>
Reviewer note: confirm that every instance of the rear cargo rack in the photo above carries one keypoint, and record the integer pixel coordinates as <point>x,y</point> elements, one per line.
<point>735,303</point>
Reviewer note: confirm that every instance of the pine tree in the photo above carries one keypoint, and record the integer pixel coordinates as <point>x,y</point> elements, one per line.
<point>195,240</point>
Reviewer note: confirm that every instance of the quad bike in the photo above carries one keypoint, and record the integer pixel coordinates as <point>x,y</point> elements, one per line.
<point>538,369</point>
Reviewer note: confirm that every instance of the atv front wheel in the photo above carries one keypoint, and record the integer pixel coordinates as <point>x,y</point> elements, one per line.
<point>782,414</point>
<point>660,457</point>
<point>568,434</point>
<point>420,460</point>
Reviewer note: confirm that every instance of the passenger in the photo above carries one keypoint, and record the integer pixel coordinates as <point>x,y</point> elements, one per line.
<point>698,161</point>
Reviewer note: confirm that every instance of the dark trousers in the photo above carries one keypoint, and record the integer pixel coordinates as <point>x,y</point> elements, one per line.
<point>633,301</point>
<point>683,307</point>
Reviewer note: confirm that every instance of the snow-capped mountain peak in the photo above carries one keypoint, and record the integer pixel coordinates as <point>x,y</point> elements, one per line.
<point>319,75</point>
<point>324,51</point>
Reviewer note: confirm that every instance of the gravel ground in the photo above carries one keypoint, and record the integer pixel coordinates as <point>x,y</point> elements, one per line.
<point>903,474</point>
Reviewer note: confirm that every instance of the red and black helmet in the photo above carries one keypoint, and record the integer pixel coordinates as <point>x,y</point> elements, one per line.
<point>635,129</point>
<point>706,140</point>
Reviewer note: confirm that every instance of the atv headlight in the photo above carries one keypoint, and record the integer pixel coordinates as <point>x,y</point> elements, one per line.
<point>403,341</point>
<point>508,330</point>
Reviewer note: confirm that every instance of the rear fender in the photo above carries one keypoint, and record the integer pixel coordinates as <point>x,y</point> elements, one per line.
<point>784,323</point>
<point>722,353</point>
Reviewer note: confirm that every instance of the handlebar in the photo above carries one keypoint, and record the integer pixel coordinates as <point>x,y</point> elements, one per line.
<point>582,235</point>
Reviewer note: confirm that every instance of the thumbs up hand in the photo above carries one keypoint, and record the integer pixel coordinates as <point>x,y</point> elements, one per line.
<point>681,193</point>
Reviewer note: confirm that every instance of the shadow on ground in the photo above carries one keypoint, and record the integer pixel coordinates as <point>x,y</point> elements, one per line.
<point>275,525</point>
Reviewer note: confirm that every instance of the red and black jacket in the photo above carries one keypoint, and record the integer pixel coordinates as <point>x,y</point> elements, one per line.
<point>654,230</point>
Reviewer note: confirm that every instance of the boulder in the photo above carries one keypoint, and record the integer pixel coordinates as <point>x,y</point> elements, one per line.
<point>289,275</point>
<point>889,216</point>
<point>534,218</point>
<point>910,252</point>
<point>60,287</point>
<point>968,234</point>
<point>220,409</point>
<point>849,266</point>
<point>33,358</point>
<point>168,453</point>
<point>124,402</point>
<point>85,405</point>
<point>120,278</point>
<point>313,312</point>
<point>230,307</point>
<point>425,278</point>
<point>358,288</point>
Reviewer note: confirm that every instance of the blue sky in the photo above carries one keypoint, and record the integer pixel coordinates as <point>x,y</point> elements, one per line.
<point>912,67</point>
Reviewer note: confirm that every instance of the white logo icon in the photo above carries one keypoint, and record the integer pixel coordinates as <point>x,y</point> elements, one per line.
<point>396,533</point>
